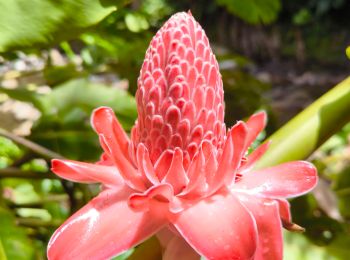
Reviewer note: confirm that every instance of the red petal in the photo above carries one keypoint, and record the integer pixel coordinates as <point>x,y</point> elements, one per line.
<point>105,227</point>
<point>177,248</point>
<point>219,228</point>
<point>256,123</point>
<point>115,142</point>
<point>283,181</point>
<point>86,172</point>
<point>266,214</point>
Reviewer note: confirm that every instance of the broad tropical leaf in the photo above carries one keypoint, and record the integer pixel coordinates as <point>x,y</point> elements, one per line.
<point>42,22</point>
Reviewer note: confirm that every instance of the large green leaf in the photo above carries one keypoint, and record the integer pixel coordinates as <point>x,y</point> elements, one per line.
<point>253,11</point>
<point>26,23</point>
<point>65,126</point>
<point>66,101</point>
<point>308,130</point>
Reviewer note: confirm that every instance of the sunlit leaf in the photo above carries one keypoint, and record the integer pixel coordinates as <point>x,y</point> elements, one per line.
<point>311,128</point>
<point>136,22</point>
<point>2,252</point>
<point>65,122</point>
<point>27,23</point>
<point>86,96</point>
<point>297,247</point>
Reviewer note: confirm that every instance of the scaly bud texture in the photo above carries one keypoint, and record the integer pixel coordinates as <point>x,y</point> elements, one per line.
<point>182,176</point>
<point>180,93</point>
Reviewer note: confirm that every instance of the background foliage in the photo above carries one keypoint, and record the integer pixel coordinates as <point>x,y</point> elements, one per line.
<point>59,61</point>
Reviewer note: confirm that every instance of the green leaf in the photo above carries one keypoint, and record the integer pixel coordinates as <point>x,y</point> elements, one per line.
<point>72,101</point>
<point>14,240</point>
<point>253,11</point>
<point>23,94</point>
<point>302,17</point>
<point>2,252</point>
<point>124,256</point>
<point>311,128</point>
<point>65,122</point>
<point>55,75</point>
<point>150,249</point>
<point>136,22</point>
<point>27,23</point>
<point>297,247</point>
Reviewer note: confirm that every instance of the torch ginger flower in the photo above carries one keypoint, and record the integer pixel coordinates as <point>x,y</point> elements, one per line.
<point>181,175</point>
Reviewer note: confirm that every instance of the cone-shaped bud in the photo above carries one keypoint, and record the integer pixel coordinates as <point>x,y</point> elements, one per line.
<point>180,93</point>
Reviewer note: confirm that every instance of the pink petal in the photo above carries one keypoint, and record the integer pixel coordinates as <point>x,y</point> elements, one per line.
<point>219,227</point>
<point>254,157</point>
<point>102,119</point>
<point>178,248</point>
<point>145,165</point>
<point>162,193</point>
<point>105,227</point>
<point>256,123</point>
<point>197,176</point>
<point>105,160</point>
<point>266,214</point>
<point>165,235</point>
<point>176,175</point>
<point>284,208</point>
<point>163,163</point>
<point>231,157</point>
<point>86,172</point>
<point>115,142</point>
<point>283,181</point>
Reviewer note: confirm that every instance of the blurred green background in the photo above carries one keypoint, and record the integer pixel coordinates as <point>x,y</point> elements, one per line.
<point>60,60</point>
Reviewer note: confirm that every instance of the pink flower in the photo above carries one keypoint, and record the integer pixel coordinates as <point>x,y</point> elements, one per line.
<point>182,176</point>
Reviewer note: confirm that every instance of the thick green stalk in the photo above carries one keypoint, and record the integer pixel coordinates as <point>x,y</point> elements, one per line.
<point>303,134</point>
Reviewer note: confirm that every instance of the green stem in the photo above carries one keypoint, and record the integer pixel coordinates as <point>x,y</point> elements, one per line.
<point>12,172</point>
<point>343,192</point>
<point>38,149</point>
<point>33,222</point>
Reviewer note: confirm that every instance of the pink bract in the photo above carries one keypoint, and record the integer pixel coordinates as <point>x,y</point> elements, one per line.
<point>182,176</point>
